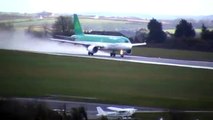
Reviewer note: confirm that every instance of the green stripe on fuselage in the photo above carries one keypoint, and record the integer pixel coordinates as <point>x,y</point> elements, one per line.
<point>101,38</point>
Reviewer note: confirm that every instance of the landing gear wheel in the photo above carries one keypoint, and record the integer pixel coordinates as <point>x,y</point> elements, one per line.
<point>90,54</point>
<point>122,55</point>
<point>112,54</point>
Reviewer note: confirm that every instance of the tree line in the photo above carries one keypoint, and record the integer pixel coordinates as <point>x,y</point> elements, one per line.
<point>183,30</point>
<point>184,36</point>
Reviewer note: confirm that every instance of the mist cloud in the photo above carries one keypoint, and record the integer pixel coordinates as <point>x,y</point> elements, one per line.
<point>19,40</point>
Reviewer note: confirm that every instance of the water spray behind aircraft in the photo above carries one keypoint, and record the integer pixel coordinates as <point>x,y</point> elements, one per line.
<point>19,40</point>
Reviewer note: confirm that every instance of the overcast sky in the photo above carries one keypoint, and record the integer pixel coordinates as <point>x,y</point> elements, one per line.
<point>148,7</point>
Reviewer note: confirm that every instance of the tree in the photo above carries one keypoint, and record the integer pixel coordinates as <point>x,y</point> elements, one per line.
<point>184,30</point>
<point>204,28</point>
<point>206,34</point>
<point>156,33</point>
<point>63,26</point>
<point>78,114</point>
<point>140,35</point>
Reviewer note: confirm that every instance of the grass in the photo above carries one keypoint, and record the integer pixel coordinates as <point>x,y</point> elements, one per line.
<point>174,116</point>
<point>29,75</point>
<point>172,31</point>
<point>111,25</point>
<point>87,24</point>
<point>173,54</point>
<point>26,22</point>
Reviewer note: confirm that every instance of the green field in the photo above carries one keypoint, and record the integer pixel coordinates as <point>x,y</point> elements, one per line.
<point>26,22</point>
<point>87,24</point>
<point>197,30</point>
<point>111,25</point>
<point>172,53</point>
<point>30,75</point>
<point>174,116</point>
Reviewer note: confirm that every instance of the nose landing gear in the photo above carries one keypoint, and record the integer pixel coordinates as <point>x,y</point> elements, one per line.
<point>122,53</point>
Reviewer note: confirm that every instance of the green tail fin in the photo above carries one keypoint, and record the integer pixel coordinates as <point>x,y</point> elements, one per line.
<point>77,25</point>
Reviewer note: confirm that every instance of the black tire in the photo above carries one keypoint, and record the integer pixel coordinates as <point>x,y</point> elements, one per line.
<point>112,54</point>
<point>90,54</point>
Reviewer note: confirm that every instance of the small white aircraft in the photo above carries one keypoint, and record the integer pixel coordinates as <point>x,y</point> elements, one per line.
<point>116,113</point>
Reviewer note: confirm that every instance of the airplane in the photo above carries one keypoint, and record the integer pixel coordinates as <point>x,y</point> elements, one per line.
<point>116,113</point>
<point>94,42</point>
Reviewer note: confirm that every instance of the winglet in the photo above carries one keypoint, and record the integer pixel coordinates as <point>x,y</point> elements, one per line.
<point>77,26</point>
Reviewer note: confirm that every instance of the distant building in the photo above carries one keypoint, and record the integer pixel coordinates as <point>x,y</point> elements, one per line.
<point>44,14</point>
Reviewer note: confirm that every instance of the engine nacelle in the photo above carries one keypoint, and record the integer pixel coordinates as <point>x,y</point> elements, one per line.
<point>92,49</point>
<point>129,51</point>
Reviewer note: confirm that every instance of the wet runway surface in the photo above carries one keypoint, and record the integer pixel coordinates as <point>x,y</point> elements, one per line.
<point>149,60</point>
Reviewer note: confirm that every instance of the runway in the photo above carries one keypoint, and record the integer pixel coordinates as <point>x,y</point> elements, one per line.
<point>147,60</point>
<point>90,107</point>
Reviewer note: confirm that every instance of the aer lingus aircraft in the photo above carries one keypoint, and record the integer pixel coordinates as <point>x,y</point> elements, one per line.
<point>93,42</point>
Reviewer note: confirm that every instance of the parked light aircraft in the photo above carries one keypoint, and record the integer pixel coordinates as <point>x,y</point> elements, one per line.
<point>93,42</point>
<point>116,113</point>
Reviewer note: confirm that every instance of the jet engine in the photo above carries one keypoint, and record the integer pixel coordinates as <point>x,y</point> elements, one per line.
<point>92,49</point>
<point>128,51</point>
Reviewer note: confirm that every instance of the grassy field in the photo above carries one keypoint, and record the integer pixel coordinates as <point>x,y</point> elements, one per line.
<point>173,54</point>
<point>87,24</point>
<point>111,25</point>
<point>25,24</point>
<point>30,75</point>
<point>197,30</point>
<point>174,116</point>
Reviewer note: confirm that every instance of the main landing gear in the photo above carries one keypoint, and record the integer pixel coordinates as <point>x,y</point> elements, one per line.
<point>90,53</point>
<point>113,54</point>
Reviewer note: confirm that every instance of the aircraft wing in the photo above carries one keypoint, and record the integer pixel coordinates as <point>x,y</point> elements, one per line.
<point>115,109</point>
<point>85,44</point>
<point>120,109</point>
<point>138,44</point>
<point>69,41</point>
